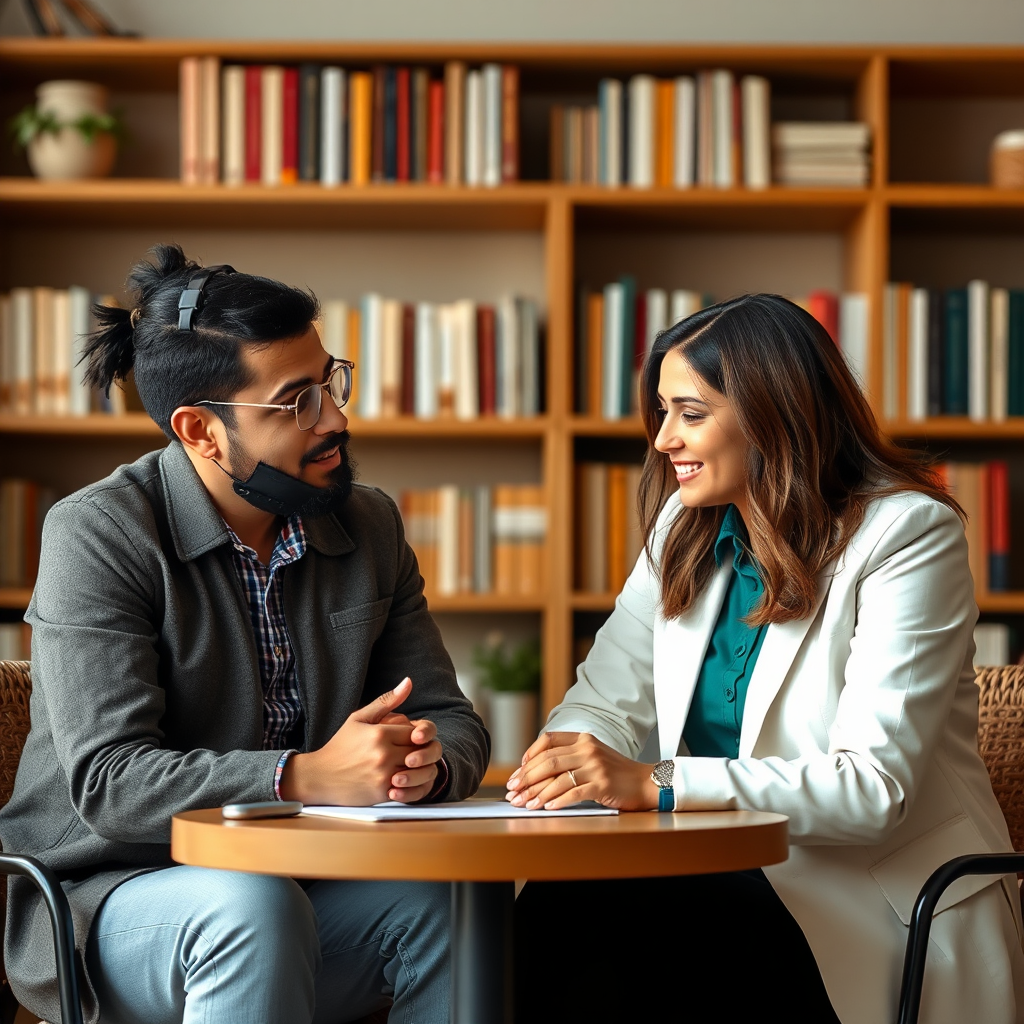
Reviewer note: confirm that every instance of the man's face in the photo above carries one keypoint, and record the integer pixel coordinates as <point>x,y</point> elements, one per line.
<point>317,456</point>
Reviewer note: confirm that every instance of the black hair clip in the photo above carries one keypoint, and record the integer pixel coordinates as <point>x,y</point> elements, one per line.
<point>191,300</point>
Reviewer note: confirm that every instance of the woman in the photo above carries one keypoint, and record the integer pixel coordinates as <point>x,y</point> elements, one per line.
<point>800,633</point>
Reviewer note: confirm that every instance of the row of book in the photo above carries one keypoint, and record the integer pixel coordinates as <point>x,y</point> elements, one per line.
<point>15,641</point>
<point>276,125</point>
<point>821,153</point>
<point>478,540</point>
<point>23,506</point>
<point>983,491</point>
<point>607,534</point>
<point>953,351</point>
<point>617,325</point>
<point>41,332</point>
<point>425,359</point>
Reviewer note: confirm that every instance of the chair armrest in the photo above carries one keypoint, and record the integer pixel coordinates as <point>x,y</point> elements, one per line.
<point>924,908</point>
<point>63,929</point>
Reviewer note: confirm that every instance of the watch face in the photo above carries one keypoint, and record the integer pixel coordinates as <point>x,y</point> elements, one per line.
<point>662,774</point>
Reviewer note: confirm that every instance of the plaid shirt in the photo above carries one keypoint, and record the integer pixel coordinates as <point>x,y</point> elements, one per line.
<point>263,586</point>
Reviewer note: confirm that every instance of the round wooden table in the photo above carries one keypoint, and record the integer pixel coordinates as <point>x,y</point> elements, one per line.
<point>482,858</point>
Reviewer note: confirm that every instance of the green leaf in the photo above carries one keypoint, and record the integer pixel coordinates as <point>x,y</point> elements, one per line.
<point>30,122</point>
<point>517,671</point>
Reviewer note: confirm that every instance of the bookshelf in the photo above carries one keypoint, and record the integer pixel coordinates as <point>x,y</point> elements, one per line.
<point>927,211</point>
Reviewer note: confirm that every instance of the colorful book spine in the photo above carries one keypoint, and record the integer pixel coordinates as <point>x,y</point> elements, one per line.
<point>310,121</point>
<point>290,116</point>
<point>233,117</point>
<point>253,123</point>
<point>999,527</point>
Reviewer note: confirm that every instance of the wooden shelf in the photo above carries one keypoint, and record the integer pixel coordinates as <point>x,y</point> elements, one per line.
<point>1009,603</point>
<point>955,428</point>
<point>594,426</point>
<point>586,602</point>
<point>15,597</point>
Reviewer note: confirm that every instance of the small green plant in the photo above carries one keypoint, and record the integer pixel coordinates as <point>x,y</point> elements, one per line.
<point>32,121</point>
<point>511,671</point>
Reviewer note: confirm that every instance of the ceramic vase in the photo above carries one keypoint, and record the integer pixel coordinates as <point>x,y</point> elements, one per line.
<point>512,721</point>
<point>68,154</point>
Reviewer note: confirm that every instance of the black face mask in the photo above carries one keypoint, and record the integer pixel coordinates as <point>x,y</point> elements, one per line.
<point>272,490</point>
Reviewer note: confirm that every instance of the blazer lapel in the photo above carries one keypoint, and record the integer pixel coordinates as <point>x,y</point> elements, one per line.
<point>778,652</point>
<point>679,646</point>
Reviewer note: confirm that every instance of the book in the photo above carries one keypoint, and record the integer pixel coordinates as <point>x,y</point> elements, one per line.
<point>290,126</point>
<point>506,547</point>
<point>664,141</point>
<point>823,305</point>
<point>388,126</point>
<point>991,644</point>
<point>557,168</point>
<point>722,128</point>
<point>473,127</point>
<point>447,581</point>
<point>425,404</point>
<point>756,105</point>
<point>956,365</point>
<point>531,531</point>
<point>454,120</point>
<point>403,125</point>
<point>419,106</point>
<point>610,132</point>
<point>507,363</point>
<point>466,540</point>
<point>233,118</point>
<point>936,352</point>
<point>595,354</point>
<point>509,123</point>
<point>917,356</point>
<point>486,358</point>
<point>978,350</point>
<point>6,356</point>
<point>43,345</point>
<point>592,527</point>
<point>253,123</point>
<point>332,126</point>
<point>482,550</point>
<point>79,397</point>
<point>190,119</point>
<point>627,378</point>
<point>465,351</point>
<point>436,132</point>
<point>23,348</point>
<point>998,539</point>
<point>1015,354</point>
<point>371,356</point>
<point>999,321</point>
<point>390,358</point>
<point>272,126</point>
<point>617,527</point>
<point>611,350</point>
<point>360,126</point>
<point>684,131</point>
<point>310,121</point>
<point>641,131</point>
<point>493,158</point>
<point>209,120</point>
<point>656,316</point>
<point>408,355</point>
<point>854,333</point>
<point>684,303</point>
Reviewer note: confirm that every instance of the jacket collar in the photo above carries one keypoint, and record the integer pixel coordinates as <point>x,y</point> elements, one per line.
<point>196,525</point>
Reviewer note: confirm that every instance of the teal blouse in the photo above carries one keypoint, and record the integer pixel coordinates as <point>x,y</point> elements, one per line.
<point>716,712</point>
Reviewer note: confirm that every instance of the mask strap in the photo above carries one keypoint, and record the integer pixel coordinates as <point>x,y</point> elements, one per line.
<point>192,298</point>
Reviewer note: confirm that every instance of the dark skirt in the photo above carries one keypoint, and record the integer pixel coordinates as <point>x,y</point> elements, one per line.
<point>696,949</point>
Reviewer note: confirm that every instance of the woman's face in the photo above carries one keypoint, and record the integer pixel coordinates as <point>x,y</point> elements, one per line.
<point>701,437</point>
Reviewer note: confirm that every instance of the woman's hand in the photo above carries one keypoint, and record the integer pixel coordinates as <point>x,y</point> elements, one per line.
<point>601,774</point>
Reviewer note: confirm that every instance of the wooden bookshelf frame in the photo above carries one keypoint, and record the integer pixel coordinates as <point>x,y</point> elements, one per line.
<point>863,217</point>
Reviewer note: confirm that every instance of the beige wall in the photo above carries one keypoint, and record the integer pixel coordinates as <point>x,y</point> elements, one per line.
<point>840,21</point>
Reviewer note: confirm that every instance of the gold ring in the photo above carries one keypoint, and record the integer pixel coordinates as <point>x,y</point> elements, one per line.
<point>572,776</point>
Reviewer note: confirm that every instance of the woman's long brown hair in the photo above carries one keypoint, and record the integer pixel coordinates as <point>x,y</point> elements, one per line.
<point>816,456</point>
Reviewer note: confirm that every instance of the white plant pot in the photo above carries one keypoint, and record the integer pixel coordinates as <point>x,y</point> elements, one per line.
<point>68,155</point>
<point>512,720</point>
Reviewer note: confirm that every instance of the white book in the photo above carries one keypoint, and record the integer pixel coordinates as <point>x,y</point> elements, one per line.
<point>821,134</point>
<point>370,357</point>
<point>474,129</point>
<point>853,334</point>
<point>42,328</point>
<point>467,377</point>
<point>448,539</point>
<point>335,329</point>
<point>22,328</point>
<point>272,125</point>
<point>656,317</point>
<point>684,304</point>
<point>427,351</point>
<point>641,131</point>
<point>6,356</point>
<point>391,359</point>
<point>529,346</point>
<point>332,138</point>
<point>917,356</point>
<point>508,362</point>
<point>992,644</point>
<point>721,98</point>
<point>11,648</point>
<point>492,125</point>
<point>705,154</point>
<point>62,351</point>
<point>189,117</point>
<point>999,324</point>
<point>482,544</point>
<point>209,120</point>
<point>611,352</point>
<point>79,301</point>
<point>755,93</point>
<point>890,357</point>
<point>978,350</point>
<point>684,157</point>
<point>610,95</point>
<point>447,330</point>
<point>233,118</point>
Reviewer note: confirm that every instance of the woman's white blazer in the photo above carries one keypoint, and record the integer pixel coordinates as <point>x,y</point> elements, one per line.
<point>860,724</point>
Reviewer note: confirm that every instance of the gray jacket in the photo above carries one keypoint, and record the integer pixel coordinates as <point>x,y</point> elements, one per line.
<point>146,695</point>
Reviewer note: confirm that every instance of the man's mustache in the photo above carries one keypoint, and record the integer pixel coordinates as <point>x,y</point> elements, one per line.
<point>340,439</point>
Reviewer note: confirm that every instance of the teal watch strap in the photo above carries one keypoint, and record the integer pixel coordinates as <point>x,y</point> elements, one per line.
<point>666,799</point>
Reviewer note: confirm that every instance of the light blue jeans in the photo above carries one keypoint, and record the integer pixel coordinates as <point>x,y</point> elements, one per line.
<point>189,945</point>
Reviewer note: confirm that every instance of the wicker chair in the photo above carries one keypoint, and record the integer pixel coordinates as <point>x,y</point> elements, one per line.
<point>1001,743</point>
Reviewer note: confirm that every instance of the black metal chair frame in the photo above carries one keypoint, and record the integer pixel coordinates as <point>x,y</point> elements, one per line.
<point>921,920</point>
<point>63,929</point>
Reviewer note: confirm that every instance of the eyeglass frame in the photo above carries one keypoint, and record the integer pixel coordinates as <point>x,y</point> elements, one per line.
<point>339,364</point>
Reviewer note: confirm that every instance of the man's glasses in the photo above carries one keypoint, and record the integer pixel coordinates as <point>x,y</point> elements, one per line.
<point>309,401</point>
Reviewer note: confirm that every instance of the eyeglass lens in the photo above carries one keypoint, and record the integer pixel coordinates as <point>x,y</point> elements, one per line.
<point>308,403</point>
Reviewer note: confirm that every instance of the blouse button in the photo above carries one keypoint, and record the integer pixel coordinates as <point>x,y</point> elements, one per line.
<point>741,648</point>
<point>730,694</point>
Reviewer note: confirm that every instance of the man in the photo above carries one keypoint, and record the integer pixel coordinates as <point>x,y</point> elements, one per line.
<point>229,620</point>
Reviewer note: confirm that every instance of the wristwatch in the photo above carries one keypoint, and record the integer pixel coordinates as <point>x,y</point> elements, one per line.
<point>662,777</point>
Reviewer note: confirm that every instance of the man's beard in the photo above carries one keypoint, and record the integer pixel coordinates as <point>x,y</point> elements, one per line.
<point>331,498</point>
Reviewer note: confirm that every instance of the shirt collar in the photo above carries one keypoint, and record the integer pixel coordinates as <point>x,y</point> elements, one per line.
<point>733,540</point>
<point>289,547</point>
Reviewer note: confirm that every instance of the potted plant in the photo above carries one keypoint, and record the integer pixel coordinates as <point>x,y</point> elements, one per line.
<point>512,679</point>
<point>68,134</point>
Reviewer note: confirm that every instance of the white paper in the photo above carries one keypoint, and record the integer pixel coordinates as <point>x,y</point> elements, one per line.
<point>465,809</point>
